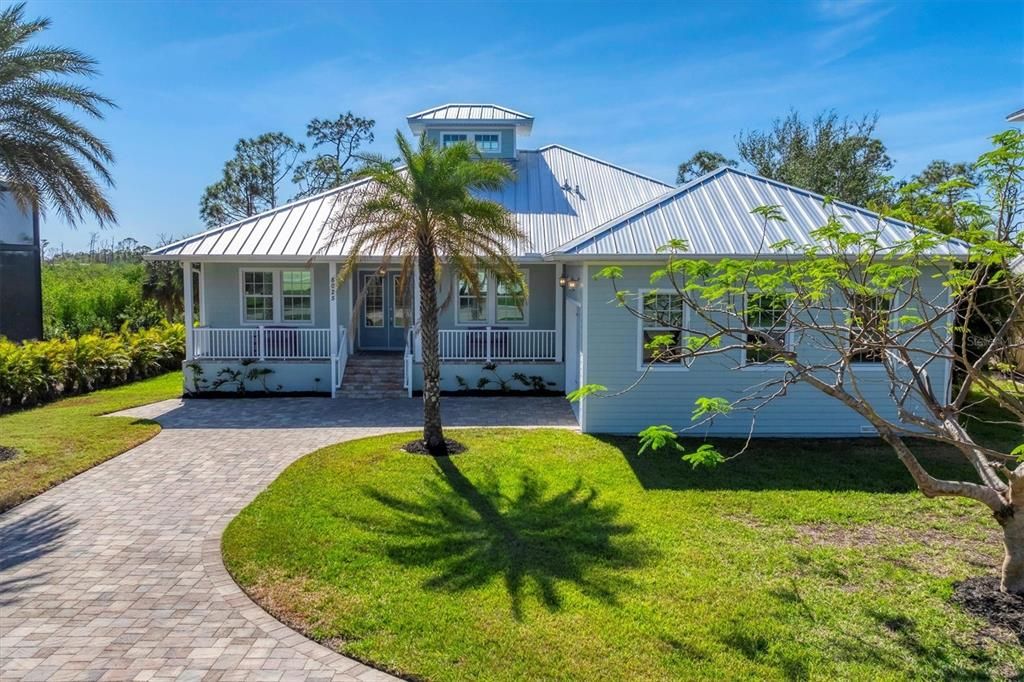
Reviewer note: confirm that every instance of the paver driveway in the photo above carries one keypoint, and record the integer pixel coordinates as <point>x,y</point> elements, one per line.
<point>116,574</point>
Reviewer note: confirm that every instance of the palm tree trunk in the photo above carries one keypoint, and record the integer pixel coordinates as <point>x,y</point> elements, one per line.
<point>433,437</point>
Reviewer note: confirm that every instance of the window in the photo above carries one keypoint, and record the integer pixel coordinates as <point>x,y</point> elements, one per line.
<point>297,296</point>
<point>662,316</point>
<point>373,301</point>
<point>277,296</point>
<point>258,296</point>
<point>473,305</point>
<point>488,143</point>
<point>400,310</point>
<point>510,301</point>
<point>765,313</point>
<point>869,322</point>
<point>448,139</point>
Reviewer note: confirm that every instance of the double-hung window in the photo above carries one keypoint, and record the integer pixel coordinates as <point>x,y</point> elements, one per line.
<point>487,143</point>
<point>258,296</point>
<point>281,296</point>
<point>495,301</point>
<point>766,320</point>
<point>472,308</point>
<point>448,139</point>
<point>510,301</point>
<point>869,326</point>
<point>663,318</point>
<point>297,296</point>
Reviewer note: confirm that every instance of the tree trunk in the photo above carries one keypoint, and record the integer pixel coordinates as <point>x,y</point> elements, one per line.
<point>433,437</point>
<point>1013,560</point>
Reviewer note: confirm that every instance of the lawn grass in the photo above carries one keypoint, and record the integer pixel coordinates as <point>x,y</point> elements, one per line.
<point>552,555</point>
<point>56,441</point>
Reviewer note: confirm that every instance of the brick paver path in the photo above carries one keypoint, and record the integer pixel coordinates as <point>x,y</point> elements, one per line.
<point>116,574</point>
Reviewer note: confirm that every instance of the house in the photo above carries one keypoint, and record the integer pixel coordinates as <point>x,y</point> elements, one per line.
<point>21,287</point>
<point>269,290</point>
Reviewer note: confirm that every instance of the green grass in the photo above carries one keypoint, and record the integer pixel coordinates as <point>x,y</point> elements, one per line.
<point>551,555</point>
<point>64,438</point>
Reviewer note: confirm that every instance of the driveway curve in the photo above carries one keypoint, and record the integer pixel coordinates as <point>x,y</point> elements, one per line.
<point>117,573</point>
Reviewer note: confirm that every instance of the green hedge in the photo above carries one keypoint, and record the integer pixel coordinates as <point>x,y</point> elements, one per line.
<point>36,372</point>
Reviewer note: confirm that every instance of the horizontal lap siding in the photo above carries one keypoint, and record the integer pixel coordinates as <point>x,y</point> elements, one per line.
<point>667,397</point>
<point>223,297</point>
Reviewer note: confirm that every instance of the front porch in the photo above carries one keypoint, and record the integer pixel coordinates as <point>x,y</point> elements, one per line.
<point>306,338</point>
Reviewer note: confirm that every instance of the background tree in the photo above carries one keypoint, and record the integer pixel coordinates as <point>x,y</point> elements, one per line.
<point>829,155</point>
<point>936,196</point>
<point>427,212</point>
<point>250,182</point>
<point>852,301</point>
<point>702,163</point>
<point>339,141</point>
<point>47,158</point>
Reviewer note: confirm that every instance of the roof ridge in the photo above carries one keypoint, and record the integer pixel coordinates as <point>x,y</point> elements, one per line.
<point>262,214</point>
<point>469,104</point>
<point>617,221</point>
<point>597,160</point>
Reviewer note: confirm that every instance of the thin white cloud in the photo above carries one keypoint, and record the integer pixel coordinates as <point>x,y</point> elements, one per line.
<point>847,29</point>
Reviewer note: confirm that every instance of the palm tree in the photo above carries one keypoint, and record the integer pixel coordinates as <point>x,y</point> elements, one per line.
<point>426,212</point>
<point>46,157</point>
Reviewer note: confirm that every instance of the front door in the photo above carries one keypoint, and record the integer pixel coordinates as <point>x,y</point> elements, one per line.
<point>383,313</point>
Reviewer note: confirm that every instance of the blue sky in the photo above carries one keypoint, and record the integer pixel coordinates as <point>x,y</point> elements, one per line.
<point>639,84</point>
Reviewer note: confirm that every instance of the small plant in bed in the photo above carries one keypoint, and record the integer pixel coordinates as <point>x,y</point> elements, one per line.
<point>491,382</point>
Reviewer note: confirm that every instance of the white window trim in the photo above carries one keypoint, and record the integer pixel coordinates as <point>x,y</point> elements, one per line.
<point>491,305</point>
<point>471,139</point>
<point>642,366</point>
<point>766,366</point>
<point>277,301</point>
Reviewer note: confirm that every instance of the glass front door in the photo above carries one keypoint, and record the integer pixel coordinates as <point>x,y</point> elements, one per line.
<point>385,311</point>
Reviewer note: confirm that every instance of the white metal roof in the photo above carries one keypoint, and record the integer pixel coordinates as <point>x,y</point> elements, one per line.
<point>471,114</point>
<point>713,214</point>
<point>558,194</point>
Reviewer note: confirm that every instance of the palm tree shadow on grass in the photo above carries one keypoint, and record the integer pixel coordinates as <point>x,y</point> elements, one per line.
<point>472,533</point>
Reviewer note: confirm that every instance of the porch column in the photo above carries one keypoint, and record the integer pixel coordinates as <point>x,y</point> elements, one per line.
<point>186,267</point>
<point>202,294</point>
<point>333,287</point>
<point>559,307</point>
<point>417,349</point>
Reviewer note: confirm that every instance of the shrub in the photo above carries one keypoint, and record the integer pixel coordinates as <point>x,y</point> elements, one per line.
<point>35,372</point>
<point>79,298</point>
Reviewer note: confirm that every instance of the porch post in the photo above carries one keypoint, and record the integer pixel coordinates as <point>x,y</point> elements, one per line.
<point>333,287</point>
<point>559,307</point>
<point>186,267</point>
<point>202,294</point>
<point>417,346</point>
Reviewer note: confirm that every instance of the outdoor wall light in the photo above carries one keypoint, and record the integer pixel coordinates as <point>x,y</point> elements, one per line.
<point>563,280</point>
<point>573,283</point>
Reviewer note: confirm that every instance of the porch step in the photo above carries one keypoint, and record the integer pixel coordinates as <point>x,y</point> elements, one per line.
<point>373,375</point>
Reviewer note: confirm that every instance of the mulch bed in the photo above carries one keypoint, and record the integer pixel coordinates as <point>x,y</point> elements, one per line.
<point>7,453</point>
<point>980,596</point>
<point>418,447</point>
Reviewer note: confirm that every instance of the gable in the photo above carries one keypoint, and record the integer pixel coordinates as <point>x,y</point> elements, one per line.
<point>713,215</point>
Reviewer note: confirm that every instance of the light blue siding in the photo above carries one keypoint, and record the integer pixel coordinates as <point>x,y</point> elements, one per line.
<point>287,376</point>
<point>553,372</point>
<point>666,396</point>
<point>508,138</point>
<point>540,306</point>
<point>223,296</point>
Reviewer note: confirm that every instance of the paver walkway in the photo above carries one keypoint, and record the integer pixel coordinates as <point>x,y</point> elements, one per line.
<point>116,574</point>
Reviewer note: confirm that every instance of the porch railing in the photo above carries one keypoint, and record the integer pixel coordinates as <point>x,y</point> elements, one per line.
<point>496,343</point>
<point>261,343</point>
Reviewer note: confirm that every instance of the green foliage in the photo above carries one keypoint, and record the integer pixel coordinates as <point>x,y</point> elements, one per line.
<point>79,298</point>
<point>250,180</point>
<point>584,391</point>
<point>47,158</point>
<point>704,406</point>
<point>701,163</point>
<point>657,437</point>
<point>338,142</point>
<point>704,456</point>
<point>833,156</point>
<point>35,372</point>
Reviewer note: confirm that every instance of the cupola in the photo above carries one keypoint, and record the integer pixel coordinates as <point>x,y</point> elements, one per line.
<point>493,129</point>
